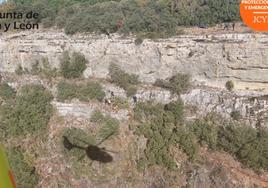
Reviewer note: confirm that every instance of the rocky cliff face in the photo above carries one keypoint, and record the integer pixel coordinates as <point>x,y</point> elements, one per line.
<point>210,59</point>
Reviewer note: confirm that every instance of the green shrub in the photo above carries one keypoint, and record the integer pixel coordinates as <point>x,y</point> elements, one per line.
<point>206,133</point>
<point>157,152</point>
<point>247,144</point>
<point>97,117</point>
<point>234,137</point>
<point>138,41</point>
<point>83,92</point>
<point>131,16</point>
<point>79,138</point>
<point>158,123</point>
<point>187,142</point>
<point>229,85</point>
<point>147,111</point>
<point>24,173</point>
<point>177,109</point>
<point>36,69</point>
<point>120,103</point>
<point>236,115</point>
<point>131,90</point>
<point>178,83</point>
<point>19,70</point>
<point>6,92</point>
<point>123,80</point>
<point>155,17</point>
<point>92,90</point>
<point>44,69</point>
<point>74,66</point>
<point>209,13</point>
<point>30,112</point>
<point>66,91</point>
<point>76,159</point>
<point>110,126</point>
<point>254,154</point>
<point>142,163</point>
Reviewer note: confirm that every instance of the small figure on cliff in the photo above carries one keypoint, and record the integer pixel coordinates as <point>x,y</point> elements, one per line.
<point>107,102</point>
<point>135,99</point>
<point>233,25</point>
<point>226,26</point>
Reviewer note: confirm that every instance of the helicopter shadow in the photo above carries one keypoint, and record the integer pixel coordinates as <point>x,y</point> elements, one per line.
<point>93,152</point>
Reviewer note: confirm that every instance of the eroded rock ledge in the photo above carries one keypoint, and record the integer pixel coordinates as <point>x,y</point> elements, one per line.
<point>210,59</point>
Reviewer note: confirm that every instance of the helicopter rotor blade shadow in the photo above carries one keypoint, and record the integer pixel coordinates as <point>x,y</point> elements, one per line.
<point>92,152</point>
<point>108,136</point>
<point>115,152</point>
<point>82,141</point>
<point>68,145</point>
<point>82,157</point>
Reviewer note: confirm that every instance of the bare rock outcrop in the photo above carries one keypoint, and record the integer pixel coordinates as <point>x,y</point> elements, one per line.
<point>78,109</point>
<point>210,59</point>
